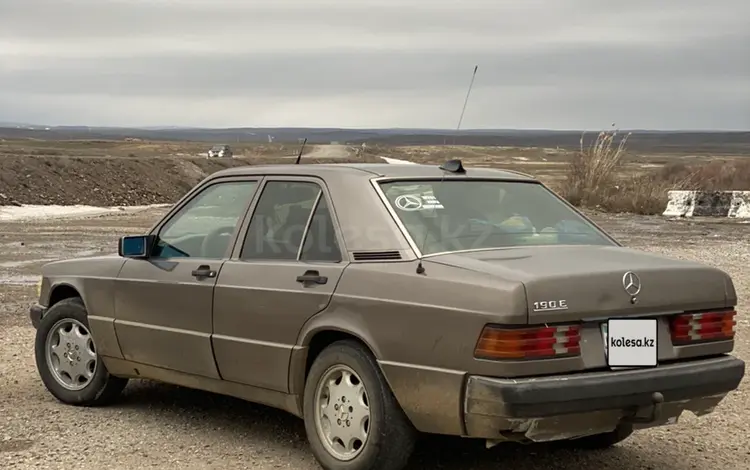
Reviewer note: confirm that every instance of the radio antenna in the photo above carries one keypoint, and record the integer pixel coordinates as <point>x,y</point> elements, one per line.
<point>466,102</point>
<point>299,156</point>
<point>453,166</point>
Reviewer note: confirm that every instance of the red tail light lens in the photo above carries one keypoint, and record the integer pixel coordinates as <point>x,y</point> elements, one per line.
<point>528,343</point>
<point>699,327</point>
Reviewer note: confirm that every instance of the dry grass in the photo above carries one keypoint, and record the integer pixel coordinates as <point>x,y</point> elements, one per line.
<point>716,175</point>
<point>591,171</point>
<point>595,178</point>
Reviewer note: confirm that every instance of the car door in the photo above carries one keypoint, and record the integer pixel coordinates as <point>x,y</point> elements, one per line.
<point>163,304</point>
<point>282,273</point>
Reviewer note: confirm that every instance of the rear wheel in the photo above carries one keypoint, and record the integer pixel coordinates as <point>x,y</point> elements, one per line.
<point>67,361</point>
<point>604,440</point>
<point>352,419</point>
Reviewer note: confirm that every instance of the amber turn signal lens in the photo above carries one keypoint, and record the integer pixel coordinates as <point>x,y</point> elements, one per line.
<point>528,343</point>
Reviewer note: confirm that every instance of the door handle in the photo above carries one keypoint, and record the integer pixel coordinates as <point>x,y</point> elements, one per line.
<point>203,271</point>
<point>312,277</point>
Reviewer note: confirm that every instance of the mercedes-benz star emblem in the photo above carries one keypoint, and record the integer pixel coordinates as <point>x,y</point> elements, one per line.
<point>631,283</point>
<point>409,202</point>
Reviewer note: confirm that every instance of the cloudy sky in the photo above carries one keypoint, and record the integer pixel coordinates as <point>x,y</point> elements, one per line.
<point>559,64</point>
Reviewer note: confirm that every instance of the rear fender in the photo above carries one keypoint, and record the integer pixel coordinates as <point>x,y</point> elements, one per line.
<point>337,320</point>
<point>430,397</point>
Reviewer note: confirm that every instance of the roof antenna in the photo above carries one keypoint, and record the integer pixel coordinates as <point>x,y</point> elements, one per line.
<point>299,156</point>
<point>466,102</point>
<point>451,166</point>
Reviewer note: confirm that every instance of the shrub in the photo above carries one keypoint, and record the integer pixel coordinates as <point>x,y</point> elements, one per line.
<point>716,175</point>
<point>591,171</point>
<point>640,194</point>
<point>594,178</point>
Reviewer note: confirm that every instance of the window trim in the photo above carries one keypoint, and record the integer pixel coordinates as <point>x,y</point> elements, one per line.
<point>240,239</point>
<point>321,197</point>
<point>376,182</point>
<point>196,192</point>
<point>307,224</point>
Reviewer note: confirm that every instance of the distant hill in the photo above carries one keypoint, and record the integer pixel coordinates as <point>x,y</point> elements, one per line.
<point>699,142</point>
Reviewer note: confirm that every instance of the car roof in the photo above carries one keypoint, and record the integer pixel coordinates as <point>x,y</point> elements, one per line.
<point>370,170</point>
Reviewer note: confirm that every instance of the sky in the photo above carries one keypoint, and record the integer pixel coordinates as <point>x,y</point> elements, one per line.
<point>543,64</point>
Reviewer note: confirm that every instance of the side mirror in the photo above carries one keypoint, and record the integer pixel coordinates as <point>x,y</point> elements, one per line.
<point>135,246</point>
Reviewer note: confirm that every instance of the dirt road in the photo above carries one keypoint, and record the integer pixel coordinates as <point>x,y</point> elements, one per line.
<point>161,426</point>
<point>332,151</point>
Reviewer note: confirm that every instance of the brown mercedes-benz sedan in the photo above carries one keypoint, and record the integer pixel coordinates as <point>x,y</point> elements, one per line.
<point>380,301</point>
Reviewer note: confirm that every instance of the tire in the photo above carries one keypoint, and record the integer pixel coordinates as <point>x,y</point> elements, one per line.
<point>100,388</point>
<point>390,436</point>
<point>605,440</point>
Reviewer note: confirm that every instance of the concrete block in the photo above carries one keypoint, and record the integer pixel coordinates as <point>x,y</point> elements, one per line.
<point>680,203</point>
<point>735,204</point>
<point>740,205</point>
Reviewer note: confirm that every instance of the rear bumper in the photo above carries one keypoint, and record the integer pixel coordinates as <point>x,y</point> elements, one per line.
<point>36,312</point>
<point>493,406</point>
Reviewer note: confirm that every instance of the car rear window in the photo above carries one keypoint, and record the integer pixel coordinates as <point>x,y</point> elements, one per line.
<point>446,216</point>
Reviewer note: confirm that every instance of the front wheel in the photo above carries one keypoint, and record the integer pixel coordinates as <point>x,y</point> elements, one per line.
<point>67,361</point>
<point>352,419</point>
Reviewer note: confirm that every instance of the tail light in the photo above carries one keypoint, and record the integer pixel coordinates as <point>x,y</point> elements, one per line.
<point>698,327</point>
<point>528,343</point>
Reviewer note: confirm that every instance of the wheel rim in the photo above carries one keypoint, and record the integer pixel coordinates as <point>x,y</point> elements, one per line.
<point>342,412</point>
<point>70,354</point>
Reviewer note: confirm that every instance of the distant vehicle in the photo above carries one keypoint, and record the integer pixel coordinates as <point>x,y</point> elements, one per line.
<point>375,301</point>
<point>220,151</point>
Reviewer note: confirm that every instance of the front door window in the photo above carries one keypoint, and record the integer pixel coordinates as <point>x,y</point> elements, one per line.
<point>204,226</point>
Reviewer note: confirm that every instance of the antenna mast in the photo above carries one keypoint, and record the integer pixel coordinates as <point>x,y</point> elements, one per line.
<point>420,266</point>
<point>466,102</point>
<point>299,156</point>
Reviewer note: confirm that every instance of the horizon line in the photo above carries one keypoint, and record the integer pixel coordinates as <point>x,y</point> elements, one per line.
<point>422,129</point>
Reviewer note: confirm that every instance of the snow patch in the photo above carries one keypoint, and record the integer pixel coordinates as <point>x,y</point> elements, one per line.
<point>27,262</point>
<point>396,161</point>
<point>19,264</point>
<point>20,280</point>
<point>31,212</point>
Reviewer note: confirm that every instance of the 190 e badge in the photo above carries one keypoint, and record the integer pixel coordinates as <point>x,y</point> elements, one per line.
<point>548,305</point>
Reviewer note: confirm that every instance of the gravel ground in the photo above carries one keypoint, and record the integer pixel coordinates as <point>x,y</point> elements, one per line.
<point>161,426</point>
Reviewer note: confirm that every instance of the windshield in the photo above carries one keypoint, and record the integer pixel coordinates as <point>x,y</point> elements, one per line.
<point>474,214</point>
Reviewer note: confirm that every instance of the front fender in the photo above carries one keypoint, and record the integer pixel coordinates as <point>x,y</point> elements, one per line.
<point>94,280</point>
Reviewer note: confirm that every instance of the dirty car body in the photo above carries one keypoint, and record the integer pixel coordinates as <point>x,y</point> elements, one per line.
<point>483,298</point>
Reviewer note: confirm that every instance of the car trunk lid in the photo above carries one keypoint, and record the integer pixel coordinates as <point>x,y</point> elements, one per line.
<point>573,283</point>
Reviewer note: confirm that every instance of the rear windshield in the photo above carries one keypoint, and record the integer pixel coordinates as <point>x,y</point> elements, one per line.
<point>446,216</point>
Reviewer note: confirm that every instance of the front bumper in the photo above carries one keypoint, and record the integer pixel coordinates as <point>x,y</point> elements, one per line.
<point>36,312</point>
<point>551,408</point>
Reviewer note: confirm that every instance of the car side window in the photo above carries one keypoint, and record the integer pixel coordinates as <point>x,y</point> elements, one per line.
<point>320,242</point>
<point>204,226</point>
<point>278,223</point>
